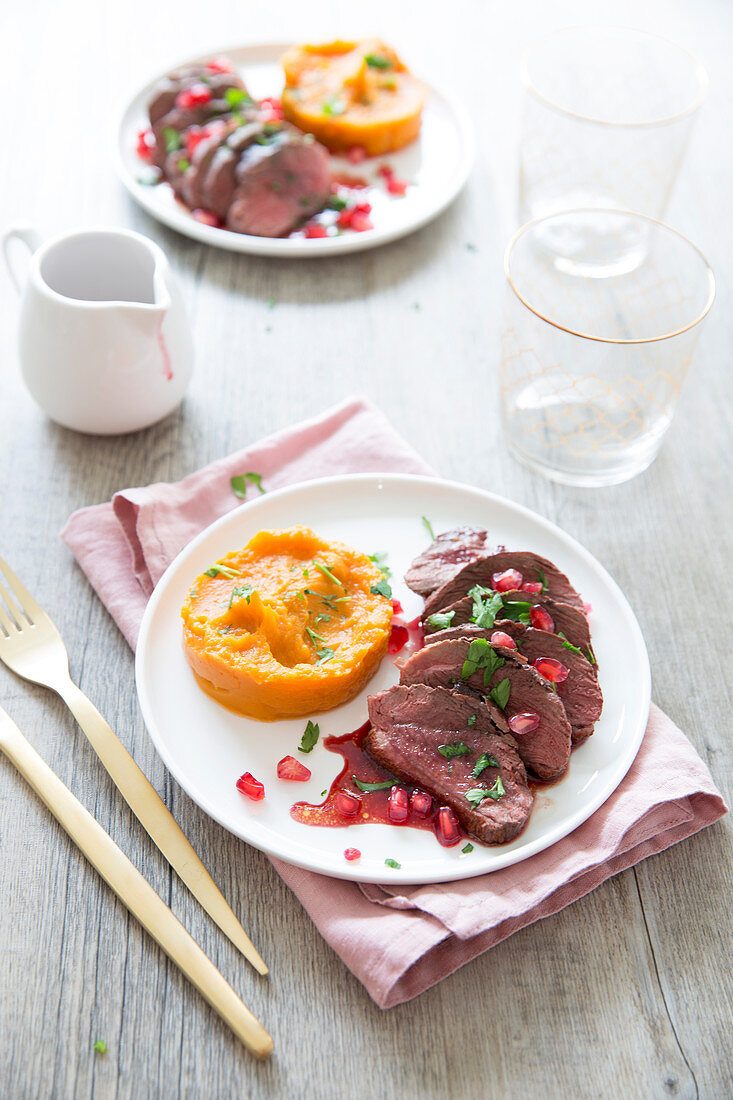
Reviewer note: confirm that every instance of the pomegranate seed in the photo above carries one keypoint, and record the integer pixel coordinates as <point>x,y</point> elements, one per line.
<point>524,723</point>
<point>397,607</point>
<point>541,619</point>
<point>207,218</point>
<point>447,828</point>
<point>315,230</point>
<point>356,154</point>
<point>220,65</point>
<point>535,587</point>
<point>500,638</point>
<point>195,96</point>
<point>385,171</point>
<point>421,803</point>
<point>506,581</point>
<point>290,768</point>
<point>352,854</point>
<point>250,786</point>
<point>144,148</point>
<point>399,805</point>
<point>363,208</point>
<point>194,136</point>
<point>552,670</point>
<point>271,103</point>
<point>346,803</point>
<point>360,222</point>
<point>398,638</point>
<point>395,186</point>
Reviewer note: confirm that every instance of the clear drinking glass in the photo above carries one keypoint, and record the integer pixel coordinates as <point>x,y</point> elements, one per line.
<point>594,352</point>
<point>608,114</point>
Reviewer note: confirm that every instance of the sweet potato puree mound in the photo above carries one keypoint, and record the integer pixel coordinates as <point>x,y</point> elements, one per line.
<point>287,626</point>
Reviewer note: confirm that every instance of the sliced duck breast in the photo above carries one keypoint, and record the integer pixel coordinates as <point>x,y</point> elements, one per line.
<point>532,568</point>
<point>445,557</point>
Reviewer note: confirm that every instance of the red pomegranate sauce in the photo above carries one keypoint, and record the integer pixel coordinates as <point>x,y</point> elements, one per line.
<point>374,804</point>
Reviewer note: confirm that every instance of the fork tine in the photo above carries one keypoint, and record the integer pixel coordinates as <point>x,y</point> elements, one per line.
<point>32,611</point>
<point>16,612</point>
<point>6,624</point>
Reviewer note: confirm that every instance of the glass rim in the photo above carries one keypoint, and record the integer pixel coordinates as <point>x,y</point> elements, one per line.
<point>530,86</point>
<point>610,339</point>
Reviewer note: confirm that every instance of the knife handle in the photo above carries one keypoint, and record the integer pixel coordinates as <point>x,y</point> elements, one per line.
<point>133,890</point>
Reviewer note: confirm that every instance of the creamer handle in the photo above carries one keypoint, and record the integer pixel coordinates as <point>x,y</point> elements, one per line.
<point>29,237</point>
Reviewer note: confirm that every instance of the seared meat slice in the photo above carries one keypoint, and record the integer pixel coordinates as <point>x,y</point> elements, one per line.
<point>167,89</point>
<point>512,684</point>
<point>409,724</point>
<point>193,179</point>
<point>220,180</point>
<point>531,566</point>
<point>444,558</point>
<point>580,694</point>
<point>279,184</point>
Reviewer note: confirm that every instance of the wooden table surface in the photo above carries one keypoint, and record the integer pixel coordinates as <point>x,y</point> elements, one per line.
<point>627,992</point>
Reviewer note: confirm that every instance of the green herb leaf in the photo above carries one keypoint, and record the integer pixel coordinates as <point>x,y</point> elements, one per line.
<point>569,645</point>
<point>486,606</point>
<point>441,620</point>
<point>309,740</point>
<point>393,863</point>
<point>333,106</point>
<point>240,592</point>
<point>471,721</point>
<point>478,794</point>
<point>379,560</point>
<point>500,693</point>
<point>428,527</point>
<point>382,588</point>
<point>325,653</point>
<point>239,483</point>
<point>183,164</point>
<point>368,787</point>
<point>589,655</point>
<point>327,573</point>
<point>150,179</point>
<point>224,570</point>
<point>100,1046</point>
<point>324,793</point>
<point>543,579</point>
<point>172,139</point>
<point>484,761</point>
<point>454,748</point>
<point>471,248</point>
<point>376,61</point>
<point>517,611</point>
<point>468,848</point>
<point>235,97</point>
<point>335,202</point>
<point>480,655</point>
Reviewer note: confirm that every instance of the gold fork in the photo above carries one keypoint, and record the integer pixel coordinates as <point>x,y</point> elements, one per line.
<point>32,647</point>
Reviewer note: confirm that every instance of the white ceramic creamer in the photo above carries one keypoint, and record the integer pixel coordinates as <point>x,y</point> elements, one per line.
<point>104,341</point>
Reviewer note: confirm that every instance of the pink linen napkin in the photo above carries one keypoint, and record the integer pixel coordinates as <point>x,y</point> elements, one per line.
<point>398,940</point>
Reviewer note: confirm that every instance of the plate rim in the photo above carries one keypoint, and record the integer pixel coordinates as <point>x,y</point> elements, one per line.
<point>402,877</point>
<point>278,247</point>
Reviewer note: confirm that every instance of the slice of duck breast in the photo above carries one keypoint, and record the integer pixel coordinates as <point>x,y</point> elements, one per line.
<point>512,684</point>
<point>409,727</point>
<point>580,694</point>
<point>532,567</point>
<point>444,558</point>
<point>167,90</point>
<point>280,183</point>
<point>216,134</point>
<point>220,180</point>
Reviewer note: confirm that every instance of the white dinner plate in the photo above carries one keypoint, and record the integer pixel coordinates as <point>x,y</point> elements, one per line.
<point>437,165</point>
<point>207,747</point>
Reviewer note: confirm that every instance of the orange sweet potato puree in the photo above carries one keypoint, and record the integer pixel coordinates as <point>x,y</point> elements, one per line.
<point>287,626</point>
<point>353,93</point>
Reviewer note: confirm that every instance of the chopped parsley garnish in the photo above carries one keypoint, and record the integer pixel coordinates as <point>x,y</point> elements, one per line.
<point>150,179</point>
<point>327,573</point>
<point>172,139</point>
<point>224,570</point>
<point>333,106</point>
<point>589,655</point>
<point>236,96</point>
<point>329,601</point>
<point>468,848</point>
<point>379,559</point>
<point>382,588</point>
<point>183,164</point>
<point>428,527</point>
<point>335,202</point>
<point>478,794</point>
<point>271,303</point>
<point>100,1046</point>
<point>517,611</point>
<point>376,61</point>
<point>309,740</point>
<point>500,693</point>
<point>368,787</point>
<point>486,606</point>
<point>239,483</point>
<point>542,579</point>
<point>471,248</point>
<point>240,592</point>
<point>480,655</point>
<point>453,748</point>
<point>484,761</point>
<point>323,652</point>
<point>441,620</point>
<point>392,863</point>
<point>569,645</point>
<point>324,793</point>
<point>471,721</point>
